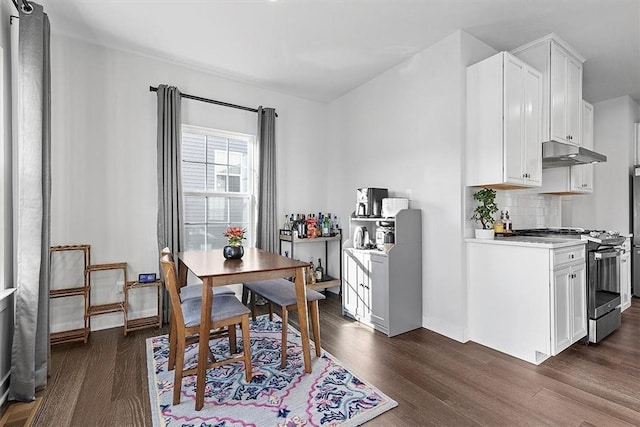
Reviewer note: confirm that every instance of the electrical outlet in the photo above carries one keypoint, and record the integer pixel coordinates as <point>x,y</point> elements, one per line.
<point>119,286</point>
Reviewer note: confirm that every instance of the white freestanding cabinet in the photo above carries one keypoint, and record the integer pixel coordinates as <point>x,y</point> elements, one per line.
<point>573,179</point>
<point>504,113</point>
<point>569,302</point>
<point>383,289</point>
<point>527,301</point>
<point>561,67</point>
<point>625,276</point>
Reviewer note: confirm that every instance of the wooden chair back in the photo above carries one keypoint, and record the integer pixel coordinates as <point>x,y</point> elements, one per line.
<point>171,284</point>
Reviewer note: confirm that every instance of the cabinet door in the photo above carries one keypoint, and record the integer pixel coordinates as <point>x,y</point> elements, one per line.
<point>363,282</point>
<point>582,175</point>
<point>350,280</point>
<point>574,100</point>
<point>625,280</point>
<point>379,286</point>
<point>586,140</point>
<point>532,113</point>
<point>578,302</point>
<point>558,101</point>
<point>561,321</point>
<point>513,120</point>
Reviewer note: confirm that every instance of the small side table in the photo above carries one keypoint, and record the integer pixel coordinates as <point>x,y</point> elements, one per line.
<point>143,322</point>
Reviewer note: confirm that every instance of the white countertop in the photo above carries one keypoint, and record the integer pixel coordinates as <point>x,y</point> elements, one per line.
<point>530,241</point>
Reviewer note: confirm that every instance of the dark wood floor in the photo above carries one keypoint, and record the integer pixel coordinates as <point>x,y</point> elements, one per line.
<point>435,380</point>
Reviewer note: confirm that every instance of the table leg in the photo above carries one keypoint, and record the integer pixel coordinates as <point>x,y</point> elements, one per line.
<point>182,273</point>
<point>203,343</point>
<point>301,299</point>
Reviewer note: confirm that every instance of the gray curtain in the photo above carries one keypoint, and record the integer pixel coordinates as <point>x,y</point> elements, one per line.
<point>32,196</point>
<point>267,229</point>
<point>170,211</point>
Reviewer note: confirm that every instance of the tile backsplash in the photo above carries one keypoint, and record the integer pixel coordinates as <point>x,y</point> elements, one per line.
<point>526,210</point>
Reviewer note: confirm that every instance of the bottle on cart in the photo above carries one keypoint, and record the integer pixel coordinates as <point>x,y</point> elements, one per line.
<point>311,274</point>
<point>319,271</point>
<point>326,226</point>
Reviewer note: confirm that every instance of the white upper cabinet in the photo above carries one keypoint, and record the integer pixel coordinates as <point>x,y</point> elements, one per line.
<point>573,179</point>
<point>582,175</point>
<point>561,67</point>
<point>504,113</point>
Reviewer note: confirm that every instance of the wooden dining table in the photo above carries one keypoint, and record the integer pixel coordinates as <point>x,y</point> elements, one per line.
<point>214,270</point>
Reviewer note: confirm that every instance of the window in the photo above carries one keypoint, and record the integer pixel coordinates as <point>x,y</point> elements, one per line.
<point>217,184</point>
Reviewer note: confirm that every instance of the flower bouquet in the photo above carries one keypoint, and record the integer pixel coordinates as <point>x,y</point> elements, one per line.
<point>235,236</point>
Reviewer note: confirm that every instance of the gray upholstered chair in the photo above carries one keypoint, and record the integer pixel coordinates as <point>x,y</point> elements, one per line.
<point>195,291</point>
<point>227,311</point>
<point>282,292</point>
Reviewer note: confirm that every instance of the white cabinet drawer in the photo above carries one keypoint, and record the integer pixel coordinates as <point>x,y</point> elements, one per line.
<point>568,255</point>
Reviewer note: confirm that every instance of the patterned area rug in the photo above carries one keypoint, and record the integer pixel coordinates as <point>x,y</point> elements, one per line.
<point>330,396</point>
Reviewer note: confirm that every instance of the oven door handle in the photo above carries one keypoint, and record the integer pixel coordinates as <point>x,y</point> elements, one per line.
<point>605,255</point>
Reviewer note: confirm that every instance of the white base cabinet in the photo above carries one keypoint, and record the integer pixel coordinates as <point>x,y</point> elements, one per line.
<point>569,298</point>
<point>383,289</point>
<point>526,301</point>
<point>366,293</point>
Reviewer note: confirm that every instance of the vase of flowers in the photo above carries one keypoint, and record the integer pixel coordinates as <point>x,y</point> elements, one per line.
<point>234,249</point>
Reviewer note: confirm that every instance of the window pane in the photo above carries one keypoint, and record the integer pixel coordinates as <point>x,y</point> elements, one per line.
<point>195,237</point>
<point>218,211</point>
<point>220,178</point>
<point>216,149</point>
<point>234,184</point>
<point>215,236</point>
<point>238,146</point>
<point>211,178</point>
<point>193,176</point>
<point>235,158</point>
<point>238,212</point>
<point>194,209</point>
<point>193,146</point>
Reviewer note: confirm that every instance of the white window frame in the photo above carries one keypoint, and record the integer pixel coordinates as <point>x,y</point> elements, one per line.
<point>252,167</point>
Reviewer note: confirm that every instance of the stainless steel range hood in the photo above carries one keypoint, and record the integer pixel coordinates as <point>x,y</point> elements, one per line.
<point>556,154</point>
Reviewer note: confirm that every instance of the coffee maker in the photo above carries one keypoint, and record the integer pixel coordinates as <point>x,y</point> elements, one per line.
<point>369,202</point>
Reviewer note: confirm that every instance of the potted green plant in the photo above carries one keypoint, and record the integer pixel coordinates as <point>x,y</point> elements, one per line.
<point>483,213</point>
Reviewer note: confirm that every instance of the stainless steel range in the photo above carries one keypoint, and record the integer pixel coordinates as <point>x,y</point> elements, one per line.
<point>604,249</point>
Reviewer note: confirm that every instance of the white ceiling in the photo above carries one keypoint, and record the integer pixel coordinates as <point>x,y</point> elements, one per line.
<point>321,49</point>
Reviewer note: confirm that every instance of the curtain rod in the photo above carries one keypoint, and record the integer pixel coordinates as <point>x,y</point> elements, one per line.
<point>26,7</point>
<point>211,101</point>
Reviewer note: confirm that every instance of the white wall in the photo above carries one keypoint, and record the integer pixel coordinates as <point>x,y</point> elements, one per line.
<point>607,208</point>
<point>404,130</point>
<point>104,190</point>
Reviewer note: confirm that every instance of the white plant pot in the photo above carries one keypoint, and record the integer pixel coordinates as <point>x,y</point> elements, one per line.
<point>484,234</point>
